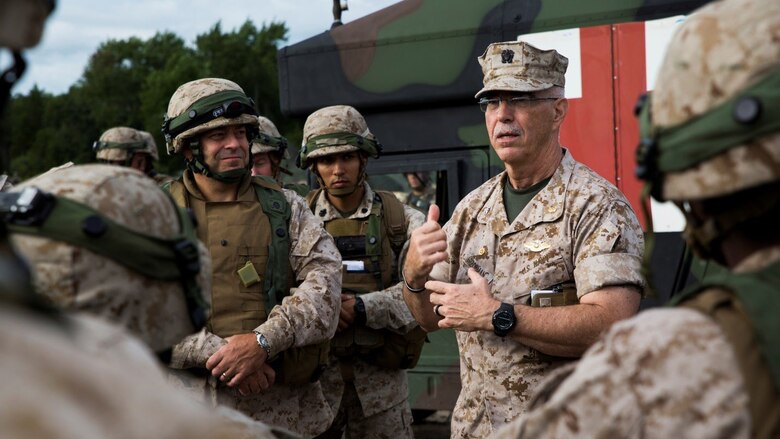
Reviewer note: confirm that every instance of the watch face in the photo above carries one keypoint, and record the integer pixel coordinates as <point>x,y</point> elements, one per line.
<point>503,320</point>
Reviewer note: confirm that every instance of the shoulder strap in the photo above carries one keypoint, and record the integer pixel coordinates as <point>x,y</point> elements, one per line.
<point>757,292</point>
<point>177,191</point>
<point>394,219</point>
<point>278,210</point>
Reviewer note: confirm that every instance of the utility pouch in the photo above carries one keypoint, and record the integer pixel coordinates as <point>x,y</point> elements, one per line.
<point>301,365</point>
<point>351,246</point>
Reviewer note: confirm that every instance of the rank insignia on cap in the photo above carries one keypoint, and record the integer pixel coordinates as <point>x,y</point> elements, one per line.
<point>507,56</point>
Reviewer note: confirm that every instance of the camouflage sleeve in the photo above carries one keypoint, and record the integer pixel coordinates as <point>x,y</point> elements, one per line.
<point>664,373</point>
<point>309,315</point>
<point>195,349</point>
<point>386,308</point>
<point>608,248</point>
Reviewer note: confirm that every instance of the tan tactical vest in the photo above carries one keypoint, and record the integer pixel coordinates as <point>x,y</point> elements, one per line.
<point>238,300</point>
<point>374,241</point>
<point>727,311</point>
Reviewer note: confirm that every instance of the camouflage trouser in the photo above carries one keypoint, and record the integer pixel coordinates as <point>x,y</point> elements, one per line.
<point>395,422</point>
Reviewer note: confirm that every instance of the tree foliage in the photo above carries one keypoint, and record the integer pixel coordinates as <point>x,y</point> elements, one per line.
<point>128,83</point>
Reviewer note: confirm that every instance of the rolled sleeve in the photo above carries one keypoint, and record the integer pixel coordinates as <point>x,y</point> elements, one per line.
<point>608,249</point>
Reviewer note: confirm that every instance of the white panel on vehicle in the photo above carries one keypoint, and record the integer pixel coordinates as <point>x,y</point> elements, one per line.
<point>658,33</point>
<point>567,43</point>
<point>666,217</point>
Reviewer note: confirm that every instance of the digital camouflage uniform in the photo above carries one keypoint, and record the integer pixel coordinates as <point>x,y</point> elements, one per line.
<point>370,400</point>
<point>709,368</point>
<point>238,232</point>
<point>306,317</point>
<point>578,231</point>
<point>380,393</point>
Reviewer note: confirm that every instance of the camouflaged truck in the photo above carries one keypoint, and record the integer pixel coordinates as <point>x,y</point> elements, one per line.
<point>412,70</point>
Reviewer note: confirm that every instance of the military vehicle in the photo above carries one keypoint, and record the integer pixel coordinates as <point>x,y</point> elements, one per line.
<point>412,70</point>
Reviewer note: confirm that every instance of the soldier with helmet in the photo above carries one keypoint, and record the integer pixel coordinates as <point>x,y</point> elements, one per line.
<point>535,263</point>
<point>152,156</point>
<point>269,149</point>
<point>275,290</point>
<point>121,146</point>
<point>377,337</point>
<point>710,367</point>
<point>421,192</point>
<point>124,146</point>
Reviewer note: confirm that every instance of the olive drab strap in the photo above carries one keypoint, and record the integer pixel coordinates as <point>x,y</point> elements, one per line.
<point>395,220</point>
<point>276,207</point>
<point>744,306</point>
<point>177,191</point>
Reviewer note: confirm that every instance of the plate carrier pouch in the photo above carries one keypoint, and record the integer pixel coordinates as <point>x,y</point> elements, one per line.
<point>375,241</point>
<point>296,365</point>
<point>744,306</point>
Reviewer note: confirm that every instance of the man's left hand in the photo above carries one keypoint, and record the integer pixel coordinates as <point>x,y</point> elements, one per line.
<point>465,307</point>
<point>239,358</point>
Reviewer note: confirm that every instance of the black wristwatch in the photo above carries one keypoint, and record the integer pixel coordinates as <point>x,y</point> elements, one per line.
<point>504,319</point>
<point>360,312</point>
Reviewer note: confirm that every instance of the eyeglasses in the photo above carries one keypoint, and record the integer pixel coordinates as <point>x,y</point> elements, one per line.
<point>515,102</point>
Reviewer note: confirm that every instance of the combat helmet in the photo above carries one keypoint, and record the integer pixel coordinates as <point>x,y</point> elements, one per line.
<point>335,130</point>
<point>106,240</point>
<point>269,139</point>
<point>711,128</point>
<point>119,144</point>
<point>202,105</point>
<point>150,146</point>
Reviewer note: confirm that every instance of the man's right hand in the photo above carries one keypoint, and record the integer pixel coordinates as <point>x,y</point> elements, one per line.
<point>427,247</point>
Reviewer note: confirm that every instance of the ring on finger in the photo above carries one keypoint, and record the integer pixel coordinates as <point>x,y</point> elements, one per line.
<point>224,376</point>
<point>436,311</point>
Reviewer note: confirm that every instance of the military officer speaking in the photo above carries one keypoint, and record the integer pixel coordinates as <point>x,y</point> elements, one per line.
<point>534,263</point>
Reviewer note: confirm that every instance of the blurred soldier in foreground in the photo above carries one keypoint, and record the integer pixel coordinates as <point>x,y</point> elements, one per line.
<point>422,193</point>
<point>377,337</point>
<point>711,144</point>
<point>275,289</point>
<point>269,149</point>
<point>134,267</point>
<point>535,263</point>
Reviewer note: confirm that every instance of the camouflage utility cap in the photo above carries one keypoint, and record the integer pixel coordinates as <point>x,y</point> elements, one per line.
<point>150,146</point>
<point>520,67</point>
<point>202,92</point>
<point>79,279</point>
<point>269,139</point>
<point>335,130</point>
<point>119,143</point>
<point>714,63</point>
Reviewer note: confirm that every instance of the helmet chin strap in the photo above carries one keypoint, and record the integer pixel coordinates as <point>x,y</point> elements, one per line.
<point>198,165</point>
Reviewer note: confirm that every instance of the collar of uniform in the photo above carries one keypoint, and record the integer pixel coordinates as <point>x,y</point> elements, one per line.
<point>331,213</point>
<point>546,206</point>
<point>192,187</point>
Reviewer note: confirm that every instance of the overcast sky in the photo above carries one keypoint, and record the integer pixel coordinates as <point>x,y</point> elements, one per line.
<point>77,27</point>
